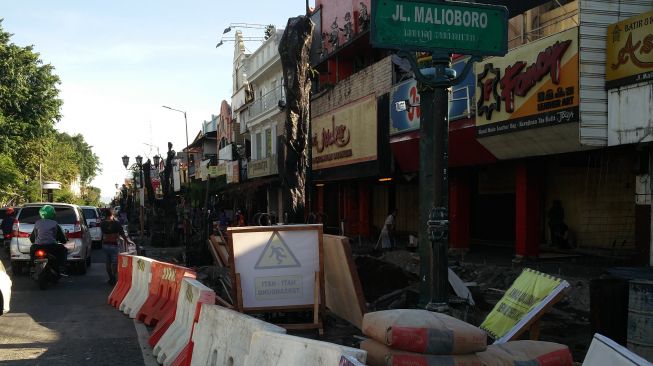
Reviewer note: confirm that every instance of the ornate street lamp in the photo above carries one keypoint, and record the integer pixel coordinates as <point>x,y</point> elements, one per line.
<point>125,161</point>
<point>139,160</point>
<point>157,159</point>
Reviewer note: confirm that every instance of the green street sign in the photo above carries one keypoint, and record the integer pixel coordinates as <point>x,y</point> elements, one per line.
<point>450,26</point>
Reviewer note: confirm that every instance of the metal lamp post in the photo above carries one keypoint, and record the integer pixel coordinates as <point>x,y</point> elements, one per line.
<point>187,153</point>
<point>139,162</point>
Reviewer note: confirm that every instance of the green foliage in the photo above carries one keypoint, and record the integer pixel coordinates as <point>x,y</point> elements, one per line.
<point>29,108</point>
<point>91,196</point>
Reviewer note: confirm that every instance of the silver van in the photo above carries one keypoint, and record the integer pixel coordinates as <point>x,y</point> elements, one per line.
<point>72,221</point>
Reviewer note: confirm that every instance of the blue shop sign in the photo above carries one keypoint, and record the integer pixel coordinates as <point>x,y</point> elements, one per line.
<point>461,99</point>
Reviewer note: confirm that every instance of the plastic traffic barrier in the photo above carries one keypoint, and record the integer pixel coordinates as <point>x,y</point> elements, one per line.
<point>141,273</point>
<point>178,336</point>
<point>272,349</point>
<point>222,337</point>
<point>163,292</point>
<point>124,280</point>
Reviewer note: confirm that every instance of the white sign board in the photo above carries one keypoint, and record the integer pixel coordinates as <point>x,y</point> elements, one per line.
<point>277,264</point>
<point>604,351</point>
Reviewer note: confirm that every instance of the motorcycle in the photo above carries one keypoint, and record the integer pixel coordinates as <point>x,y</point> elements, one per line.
<point>46,263</point>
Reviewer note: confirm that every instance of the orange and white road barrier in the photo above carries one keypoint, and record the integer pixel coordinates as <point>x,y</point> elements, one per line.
<point>222,337</point>
<point>124,280</point>
<point>135,298</point>
<point>178,336</point>
<point>163,292</point>
<point>272,349</point>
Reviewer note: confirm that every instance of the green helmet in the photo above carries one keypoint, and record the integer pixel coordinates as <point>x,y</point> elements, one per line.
<point>47,212</point>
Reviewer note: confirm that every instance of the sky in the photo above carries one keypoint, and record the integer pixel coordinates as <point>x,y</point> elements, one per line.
<point>119,61</point>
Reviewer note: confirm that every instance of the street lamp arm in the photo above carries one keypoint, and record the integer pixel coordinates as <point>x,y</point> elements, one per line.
<point>173,109</point>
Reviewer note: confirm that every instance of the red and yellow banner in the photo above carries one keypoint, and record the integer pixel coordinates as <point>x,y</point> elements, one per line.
<point>629,51</point>
<point>535,85</point>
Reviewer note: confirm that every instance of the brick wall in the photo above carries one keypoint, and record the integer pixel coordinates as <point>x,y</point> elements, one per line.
<point>598,199</point>
<point>376,78</point>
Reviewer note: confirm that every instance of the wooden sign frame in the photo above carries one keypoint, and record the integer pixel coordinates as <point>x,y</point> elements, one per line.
<point>318,305</point>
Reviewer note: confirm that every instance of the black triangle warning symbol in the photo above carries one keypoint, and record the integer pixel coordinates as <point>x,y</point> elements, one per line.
<point>277,254</point>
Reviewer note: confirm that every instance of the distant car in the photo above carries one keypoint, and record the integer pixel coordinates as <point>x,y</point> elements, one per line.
<point>5,290</point>
<point>93,220</point>
<point>71,219</point>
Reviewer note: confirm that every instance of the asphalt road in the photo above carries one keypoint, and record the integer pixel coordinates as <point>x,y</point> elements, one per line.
<point>70,323</point>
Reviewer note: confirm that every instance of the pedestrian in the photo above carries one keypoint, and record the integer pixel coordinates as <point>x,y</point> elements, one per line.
<point>387,232</point>
<point>556,223</point>
<point>112,231</point>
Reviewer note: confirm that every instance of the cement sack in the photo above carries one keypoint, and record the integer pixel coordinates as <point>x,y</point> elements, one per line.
<point>532,353</point>
<point>379,354</point>
<point>422,331</point>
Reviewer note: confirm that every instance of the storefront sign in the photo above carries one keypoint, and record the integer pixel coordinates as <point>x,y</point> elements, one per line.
<point>471,29</point>
<point>346,135</point>
<point>408,120</point>
<point>461,97</point>
<point>629,51</point>
<point>217,170</point>
<point>535,85</point>
<point>233,172</point>
<point>262,167</point>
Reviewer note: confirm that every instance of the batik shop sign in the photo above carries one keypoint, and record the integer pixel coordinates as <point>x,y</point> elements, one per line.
<point>533,86</point>
<point>346,135</point>
<point>629,51</point>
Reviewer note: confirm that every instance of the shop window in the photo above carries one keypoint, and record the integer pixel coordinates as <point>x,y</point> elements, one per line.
<point>268,143</point>
<point>258,146</point>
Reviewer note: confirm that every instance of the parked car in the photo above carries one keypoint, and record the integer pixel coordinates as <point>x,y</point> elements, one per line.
<point>70,217</point>
<point>93,220</point>
<point>5,290</point>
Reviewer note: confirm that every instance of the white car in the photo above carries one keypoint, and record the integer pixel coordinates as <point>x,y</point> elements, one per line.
<point>71,220</point>
<point>5,290</point>
<point>93,220</point>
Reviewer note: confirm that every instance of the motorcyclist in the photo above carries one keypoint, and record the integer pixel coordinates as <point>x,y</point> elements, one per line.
<point>48,232</point>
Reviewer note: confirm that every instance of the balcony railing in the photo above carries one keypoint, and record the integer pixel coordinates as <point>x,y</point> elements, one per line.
<point>266,102</point>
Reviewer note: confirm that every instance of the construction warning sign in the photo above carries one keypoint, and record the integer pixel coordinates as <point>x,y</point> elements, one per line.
<point>276,264</point>
<point>277,254</point>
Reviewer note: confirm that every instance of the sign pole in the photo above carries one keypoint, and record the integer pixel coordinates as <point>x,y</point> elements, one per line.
<point>440,27</point>
<point>433,191</point>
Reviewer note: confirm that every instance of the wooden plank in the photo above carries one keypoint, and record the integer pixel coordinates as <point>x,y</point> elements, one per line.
<point>344,293</point>
<point>222,302</point>
<point>223,253</point>
<point>214,253</point>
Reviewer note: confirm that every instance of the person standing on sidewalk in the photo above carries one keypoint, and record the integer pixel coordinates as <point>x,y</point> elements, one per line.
<point>111,232</point>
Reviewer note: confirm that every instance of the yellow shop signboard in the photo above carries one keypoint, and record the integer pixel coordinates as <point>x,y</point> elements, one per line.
<point>533,86</point>
<point>346,135</point>
<point>629,51</point>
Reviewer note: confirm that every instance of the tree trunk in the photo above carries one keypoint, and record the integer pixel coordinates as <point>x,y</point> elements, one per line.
<point>294,50</point>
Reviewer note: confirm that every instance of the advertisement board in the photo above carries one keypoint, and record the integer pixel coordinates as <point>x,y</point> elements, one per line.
<point>346,135</point>
<point>461,98</point>
<point>533,86</point>
<point>629,51</point>
<point>233,172</point>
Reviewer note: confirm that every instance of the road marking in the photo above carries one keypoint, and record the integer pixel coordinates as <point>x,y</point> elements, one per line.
<point>143,337</point>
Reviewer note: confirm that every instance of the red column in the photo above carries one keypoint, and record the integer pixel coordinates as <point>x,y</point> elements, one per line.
<point>319,202</point>
<point>528,211</point>
<point>459,210</point>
